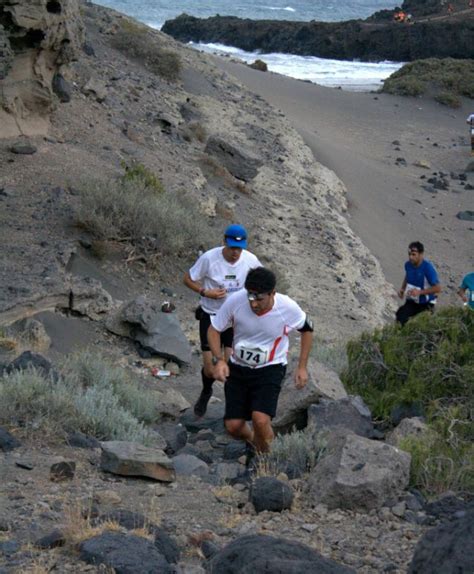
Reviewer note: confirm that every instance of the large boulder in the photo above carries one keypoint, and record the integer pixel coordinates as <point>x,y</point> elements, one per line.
<point>134,459</point>
<point>28,360</point>
<point>411,427</point>
<point>7,441</point>
<point>350,413</point>
<point>125,553</point>
<point>359,474</point>
<point>157,332</point>
<point>447,549</point>
<point>89,298</point>
<point>170,403</point>
<point>293,404</point>
<point>38,39</point>
<point>133,521</point>
<point>240,162</point>
<point>269,493</point>
<point>269,555</point>
<point>188,464</point>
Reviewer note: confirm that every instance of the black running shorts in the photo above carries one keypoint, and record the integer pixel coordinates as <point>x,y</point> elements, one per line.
<point>248,390</point>
<point>226,336</point>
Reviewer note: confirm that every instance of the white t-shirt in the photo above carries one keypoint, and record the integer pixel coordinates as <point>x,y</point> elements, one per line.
<point>259,340</point>
<point>214,272</point>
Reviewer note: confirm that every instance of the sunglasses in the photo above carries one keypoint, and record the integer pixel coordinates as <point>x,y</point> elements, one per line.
<point>252,296</point>
<point>239,238</point>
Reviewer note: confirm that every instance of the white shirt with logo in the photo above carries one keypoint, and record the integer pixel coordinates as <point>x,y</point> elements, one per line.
<point>213,271</point>
<point>259,340</point>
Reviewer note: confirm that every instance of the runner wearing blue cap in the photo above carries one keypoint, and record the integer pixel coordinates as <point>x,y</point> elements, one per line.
<point>216,274</point>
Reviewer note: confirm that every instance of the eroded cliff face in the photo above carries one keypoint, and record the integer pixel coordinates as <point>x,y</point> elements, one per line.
<point>38,39</point>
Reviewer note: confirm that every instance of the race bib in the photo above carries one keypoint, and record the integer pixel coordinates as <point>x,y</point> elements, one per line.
<point>251,356</point>
<point>409,287</point>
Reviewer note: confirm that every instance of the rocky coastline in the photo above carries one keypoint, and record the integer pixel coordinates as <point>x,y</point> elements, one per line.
<point>368,40</point>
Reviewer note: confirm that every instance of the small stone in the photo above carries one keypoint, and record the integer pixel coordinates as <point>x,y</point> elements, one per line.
<point>309,527</point>
<point>23,464</point>
<point>52,540</point>
<point>372,533</point>
<point>23,148</point>
<point>465,215</point>
<point>107,497</point>
<point>399,509</point>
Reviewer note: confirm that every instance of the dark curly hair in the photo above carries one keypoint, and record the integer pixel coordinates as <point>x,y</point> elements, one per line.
<point>260,280</point>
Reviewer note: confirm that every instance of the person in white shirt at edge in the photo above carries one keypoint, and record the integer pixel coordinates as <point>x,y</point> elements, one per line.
<point>470,121</point>
<point>218,273</point>
<point>262,320</point>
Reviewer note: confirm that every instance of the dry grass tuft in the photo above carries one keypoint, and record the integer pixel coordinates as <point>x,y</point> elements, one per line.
<point>8,344</point>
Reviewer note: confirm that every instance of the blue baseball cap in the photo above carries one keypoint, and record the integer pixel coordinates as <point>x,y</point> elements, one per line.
<point>236,236</point>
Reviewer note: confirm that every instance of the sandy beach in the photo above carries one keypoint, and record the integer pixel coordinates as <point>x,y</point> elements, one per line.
<point>356,135</point>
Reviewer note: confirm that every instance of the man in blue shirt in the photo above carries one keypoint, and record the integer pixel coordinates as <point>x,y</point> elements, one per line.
<point>467,285</point>
<point>420,285</point>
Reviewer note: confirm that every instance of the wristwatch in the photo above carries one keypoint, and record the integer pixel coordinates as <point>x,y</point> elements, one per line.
<point>215,360</point>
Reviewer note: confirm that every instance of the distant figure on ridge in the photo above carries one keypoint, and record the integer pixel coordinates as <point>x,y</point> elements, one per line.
<point>420,285</point>
<point>466,290</point>
<point>470,121</point>
<point>262,320</point>
<point>216,274</point>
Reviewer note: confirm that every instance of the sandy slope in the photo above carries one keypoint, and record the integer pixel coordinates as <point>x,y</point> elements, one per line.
<point>352,134</point>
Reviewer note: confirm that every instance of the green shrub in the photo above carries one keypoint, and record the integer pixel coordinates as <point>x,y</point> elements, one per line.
<point>448,99</point>
<point>139,43</point>
<point>430,361</point>
<point>443,458</point>
<point>431,358</point>
<point>31,402</point>
<point>404,86</point>
<point>91,370</point>
<point>298,450</point>
<point>131,211</point>
<point>137,172</point>
<point>446,79</point>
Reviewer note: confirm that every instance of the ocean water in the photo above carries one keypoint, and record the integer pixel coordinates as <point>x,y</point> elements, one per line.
<point>357,76</point>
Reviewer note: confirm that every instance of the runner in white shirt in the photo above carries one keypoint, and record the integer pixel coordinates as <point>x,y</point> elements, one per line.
<point>470,121</point>
<point>262,320</point>
<point>216,274</point>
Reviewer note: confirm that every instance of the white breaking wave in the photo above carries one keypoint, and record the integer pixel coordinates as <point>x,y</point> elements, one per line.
<point>286,8</point>
<point>349,75</point>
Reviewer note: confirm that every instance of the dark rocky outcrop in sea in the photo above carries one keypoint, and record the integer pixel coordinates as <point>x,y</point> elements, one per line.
<point>354,39</point>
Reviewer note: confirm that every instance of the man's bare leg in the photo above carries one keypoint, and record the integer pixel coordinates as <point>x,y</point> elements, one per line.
<point>238,428</point>
<point>263,431</point>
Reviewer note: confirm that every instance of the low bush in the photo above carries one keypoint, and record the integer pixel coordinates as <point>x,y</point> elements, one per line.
<point>448,99</point>
<point>140,174</point>
<point>133,211</point>
<point>430,361</point>
<point>91,396</point>
<point>138,42</point>
<point>446,79</point>
<point>297,452</point>
<point>443,458</point>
